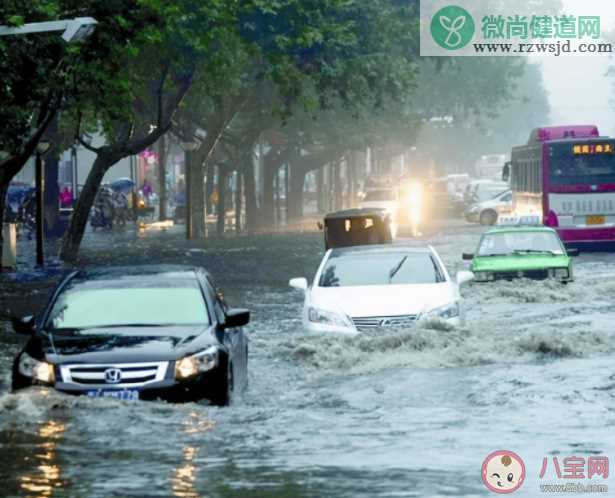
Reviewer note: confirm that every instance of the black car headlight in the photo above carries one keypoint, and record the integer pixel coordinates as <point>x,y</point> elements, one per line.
<point>193,365</point>
<point>40,371</point>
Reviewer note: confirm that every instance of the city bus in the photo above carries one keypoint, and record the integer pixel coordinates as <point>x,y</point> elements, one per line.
<point>565,175</point>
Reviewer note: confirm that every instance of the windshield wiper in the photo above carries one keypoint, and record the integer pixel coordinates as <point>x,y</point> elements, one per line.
<point>396,269</point>
<point>535,251</point>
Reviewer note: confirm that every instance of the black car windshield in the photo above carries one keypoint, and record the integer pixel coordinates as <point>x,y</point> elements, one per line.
<point>347,269</point>
<point>94,304</point>
<point>504,243</point>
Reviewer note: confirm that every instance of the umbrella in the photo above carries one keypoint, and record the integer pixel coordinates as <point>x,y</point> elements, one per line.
<point>122,185</point>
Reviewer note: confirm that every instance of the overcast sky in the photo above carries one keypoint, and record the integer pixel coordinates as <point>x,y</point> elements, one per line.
<point>579,91</point>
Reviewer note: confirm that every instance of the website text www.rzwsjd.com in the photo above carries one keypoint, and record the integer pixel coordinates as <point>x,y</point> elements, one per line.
<point>554,48</point>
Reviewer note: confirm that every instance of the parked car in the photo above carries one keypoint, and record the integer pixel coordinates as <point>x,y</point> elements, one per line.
<point>362,288</point>
<point>482,190</point>
<point>136,333</point>
<point>510,252</point>
<point>488,212</point>
<point>380,198</point>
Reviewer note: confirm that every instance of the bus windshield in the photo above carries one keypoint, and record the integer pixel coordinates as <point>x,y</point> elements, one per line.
<point>567,168</point>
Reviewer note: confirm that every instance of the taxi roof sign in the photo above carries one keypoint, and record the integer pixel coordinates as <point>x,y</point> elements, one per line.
<point>523,220</point>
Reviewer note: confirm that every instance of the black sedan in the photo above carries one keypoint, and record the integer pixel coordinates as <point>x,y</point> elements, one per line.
<point>155,332</point>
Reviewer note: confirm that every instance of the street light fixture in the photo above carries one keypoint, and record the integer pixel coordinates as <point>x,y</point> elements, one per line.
<point>41,149</point>
<point>74,30</point>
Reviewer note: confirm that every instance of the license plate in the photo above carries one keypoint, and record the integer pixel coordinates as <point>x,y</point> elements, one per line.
<point>123,394</point>
<point>596,220</point>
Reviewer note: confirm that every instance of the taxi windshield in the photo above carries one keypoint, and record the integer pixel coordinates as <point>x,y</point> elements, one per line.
<point>504,243</point>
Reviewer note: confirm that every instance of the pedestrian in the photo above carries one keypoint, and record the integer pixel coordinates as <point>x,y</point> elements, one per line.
<point>66,197</point>
<point>147,190</point>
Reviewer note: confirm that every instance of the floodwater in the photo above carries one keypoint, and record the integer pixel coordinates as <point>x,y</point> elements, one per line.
<point>388,414</point>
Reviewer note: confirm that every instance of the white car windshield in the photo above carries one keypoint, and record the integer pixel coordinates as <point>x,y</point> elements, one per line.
<point>347,269</point>
<point>505,243</point>
<point>87,305</point>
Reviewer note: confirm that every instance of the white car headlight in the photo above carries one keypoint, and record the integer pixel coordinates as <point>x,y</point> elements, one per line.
<point>443,312</point>
<point>36,370</point>
<point>328,317</point>
<point>192,365</point>
<point>474,209</point>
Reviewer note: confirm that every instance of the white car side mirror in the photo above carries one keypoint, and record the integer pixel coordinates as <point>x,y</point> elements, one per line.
<point>299,284</point>
<point>464,277</point>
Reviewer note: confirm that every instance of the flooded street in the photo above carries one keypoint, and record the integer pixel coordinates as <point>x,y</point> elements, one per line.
<point>390,414</point>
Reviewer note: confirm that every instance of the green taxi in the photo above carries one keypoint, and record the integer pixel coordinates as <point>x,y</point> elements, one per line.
<point>509,252</point>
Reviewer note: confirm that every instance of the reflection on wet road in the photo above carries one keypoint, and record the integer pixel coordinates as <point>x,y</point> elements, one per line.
<point>398,413</point>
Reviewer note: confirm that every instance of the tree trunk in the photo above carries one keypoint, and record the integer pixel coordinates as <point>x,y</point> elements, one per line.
<point>252,214</point>
<point>320,207</point>
<point>268,209</point>
<point>162,178</point>
<point>197,196</point>
<point>85,201</point>
<point>287,192</point>
<point>238,202</point>
<point>210,172</point>
<point>296,184</point>
<point>4,187</point>
<point>221,209</point>
<point>337,186</point>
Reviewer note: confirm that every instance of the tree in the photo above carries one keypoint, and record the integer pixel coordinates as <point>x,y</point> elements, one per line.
<point>137,108</point>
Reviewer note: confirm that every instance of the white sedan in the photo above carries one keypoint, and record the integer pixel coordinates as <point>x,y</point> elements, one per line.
<point>361,288</point>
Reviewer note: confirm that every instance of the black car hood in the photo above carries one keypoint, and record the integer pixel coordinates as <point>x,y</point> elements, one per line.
<point>126,344</point>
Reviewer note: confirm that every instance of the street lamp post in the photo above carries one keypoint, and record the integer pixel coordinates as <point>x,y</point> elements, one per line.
<point>189,148</point>
<point>74,30</point>
<point>42,147</point>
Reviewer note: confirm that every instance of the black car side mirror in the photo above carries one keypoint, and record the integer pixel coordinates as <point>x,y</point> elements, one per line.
<point>467,256</point>
<point>319,225</point>
<point>236,318</point>
<point>24,325</point>
<point>573,251</point>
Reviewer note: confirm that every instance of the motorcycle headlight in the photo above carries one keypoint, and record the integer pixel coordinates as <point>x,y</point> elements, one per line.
<point>443,312</point>
<point>483,276</point>
<point>192,365</point>
<point>40,371</point>
<point>327,317</point>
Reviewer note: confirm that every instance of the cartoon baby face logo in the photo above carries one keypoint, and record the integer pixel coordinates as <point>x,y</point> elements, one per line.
<point>503,472</point>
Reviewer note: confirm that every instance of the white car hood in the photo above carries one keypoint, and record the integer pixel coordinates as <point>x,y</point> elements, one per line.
<point>383,300</point>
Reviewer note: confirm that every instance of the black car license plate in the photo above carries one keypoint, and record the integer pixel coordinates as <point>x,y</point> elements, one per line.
<point>123,394</point>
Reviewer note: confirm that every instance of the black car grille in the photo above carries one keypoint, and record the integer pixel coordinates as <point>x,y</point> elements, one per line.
<point>134,374</point>
<point>532,274</point>
<point>374,322</point>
